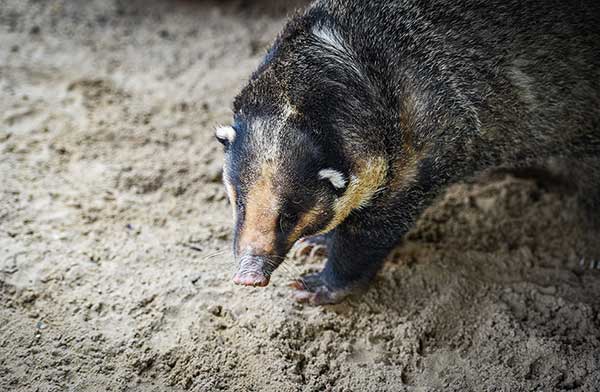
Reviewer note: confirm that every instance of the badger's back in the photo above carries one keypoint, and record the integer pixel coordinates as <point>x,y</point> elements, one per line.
<point>363,112</point>
<point>519,71</point>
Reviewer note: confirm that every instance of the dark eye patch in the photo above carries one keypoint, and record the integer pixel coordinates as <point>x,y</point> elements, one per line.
<point>290,214</point>
<point>287,221</point>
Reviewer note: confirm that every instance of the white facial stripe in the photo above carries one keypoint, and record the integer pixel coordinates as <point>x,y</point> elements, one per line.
<point>334,176</point>
<point>227,133</point>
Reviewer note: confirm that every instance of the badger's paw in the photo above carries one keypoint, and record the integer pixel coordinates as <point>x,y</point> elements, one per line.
<point>311,289</point>
<point>314,246</point>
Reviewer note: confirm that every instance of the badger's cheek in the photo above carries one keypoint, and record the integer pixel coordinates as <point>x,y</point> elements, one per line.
<point>312,221</point>
<point>307,221</point>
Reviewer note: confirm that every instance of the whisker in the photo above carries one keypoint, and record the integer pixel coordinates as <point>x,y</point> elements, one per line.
<point>213,255</point>
<point>192,247</point>
<point>282,264</point>
<point>289,271</point>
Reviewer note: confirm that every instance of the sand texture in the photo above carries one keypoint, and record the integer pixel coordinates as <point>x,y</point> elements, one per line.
<point>115,232</point>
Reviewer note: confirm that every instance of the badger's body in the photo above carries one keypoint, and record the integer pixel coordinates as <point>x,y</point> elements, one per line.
<point>363,111</point>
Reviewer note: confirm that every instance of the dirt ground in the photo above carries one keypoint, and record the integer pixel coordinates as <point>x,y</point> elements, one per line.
<point>115,268</point>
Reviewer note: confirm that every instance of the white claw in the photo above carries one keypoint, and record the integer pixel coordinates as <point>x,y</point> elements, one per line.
<point>313,252</point>
<point>297,250</point>
<point>582,262</point>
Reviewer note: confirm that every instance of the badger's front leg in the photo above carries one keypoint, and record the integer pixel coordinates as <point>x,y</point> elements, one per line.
<point>359,245</point>
<point>356,251</point>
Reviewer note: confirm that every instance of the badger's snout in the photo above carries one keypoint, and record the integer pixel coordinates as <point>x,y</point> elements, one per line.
<point>254,271</point>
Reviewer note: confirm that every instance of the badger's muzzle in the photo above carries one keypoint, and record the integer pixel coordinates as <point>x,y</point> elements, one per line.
<point>254,271</point>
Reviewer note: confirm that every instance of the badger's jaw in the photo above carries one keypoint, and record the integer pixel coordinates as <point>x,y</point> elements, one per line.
<point>254,270</point>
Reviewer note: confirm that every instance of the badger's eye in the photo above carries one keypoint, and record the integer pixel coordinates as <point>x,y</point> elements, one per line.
<point>287,221</point>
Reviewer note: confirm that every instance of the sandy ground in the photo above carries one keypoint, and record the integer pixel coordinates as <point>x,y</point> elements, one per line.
<point>115,232</point>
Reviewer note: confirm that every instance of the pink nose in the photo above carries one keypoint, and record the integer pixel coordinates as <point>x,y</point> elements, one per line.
<point>251,279</point>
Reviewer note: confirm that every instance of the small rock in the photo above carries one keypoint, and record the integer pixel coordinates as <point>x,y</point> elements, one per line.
<point>549,290</point>
<point>215,310</point>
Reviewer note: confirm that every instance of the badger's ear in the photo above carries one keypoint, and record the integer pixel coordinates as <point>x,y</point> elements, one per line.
<point>225,135</point>
<point>336,178</point>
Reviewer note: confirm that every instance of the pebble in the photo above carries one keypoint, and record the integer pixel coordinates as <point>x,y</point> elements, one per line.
<point>215,310</point>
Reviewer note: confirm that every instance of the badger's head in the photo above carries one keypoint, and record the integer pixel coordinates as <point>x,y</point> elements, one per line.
<point>282,184</point>
<point>288,168</point>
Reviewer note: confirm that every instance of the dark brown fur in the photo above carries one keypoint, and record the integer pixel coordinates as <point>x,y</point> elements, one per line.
<point>402,98</point>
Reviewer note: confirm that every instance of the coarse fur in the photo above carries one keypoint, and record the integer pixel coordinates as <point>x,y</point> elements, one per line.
<point>363,111</point>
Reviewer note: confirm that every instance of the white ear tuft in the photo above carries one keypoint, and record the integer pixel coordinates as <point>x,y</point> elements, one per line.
<point>225,133</point>
<point>335,177</point>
